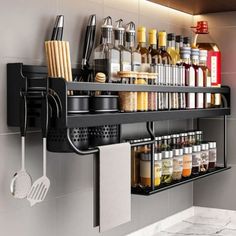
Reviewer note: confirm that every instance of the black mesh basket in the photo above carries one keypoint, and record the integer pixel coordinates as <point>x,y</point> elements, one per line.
<point>57,139</point>
<point>103,135</point>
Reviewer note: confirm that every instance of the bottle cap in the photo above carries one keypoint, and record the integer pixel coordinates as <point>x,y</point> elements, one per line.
<point>107,22</point>
<point>212,145</point>
<point>198,132</point>
<point>204,146</point>
<point>203,55</point>
<point>130,27</point>
<point>170,36</point>
<point>178,152</point>
<point>185,52</point>
<point>188,150</point>
<point>186,40</point>
<point>167,154</point>
<point>162,38</point>
<point>183,135</point>
<point>152,37</point>
<point>141,34</point>
<point>157,138</point>
<point>197,148</point>
<point>191,133</point>
<point>100,77</point>
<point>195,53</point>
<point>179,38</point>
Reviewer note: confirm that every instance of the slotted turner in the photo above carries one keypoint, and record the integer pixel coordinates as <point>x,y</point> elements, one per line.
<point>41,186</point>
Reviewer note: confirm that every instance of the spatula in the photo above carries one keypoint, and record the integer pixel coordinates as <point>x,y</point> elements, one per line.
<point>41,186</point>
<point>21,182</point>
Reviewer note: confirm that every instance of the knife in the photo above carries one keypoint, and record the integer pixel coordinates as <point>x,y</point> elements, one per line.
<point>57,32</point>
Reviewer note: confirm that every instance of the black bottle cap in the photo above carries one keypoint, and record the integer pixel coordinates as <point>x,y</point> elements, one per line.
<point>170,36</point>
<point>179,38</point>
<point>186,40</point>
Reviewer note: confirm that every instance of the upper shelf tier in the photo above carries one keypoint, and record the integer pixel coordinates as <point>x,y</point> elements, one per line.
<point>197,7</point>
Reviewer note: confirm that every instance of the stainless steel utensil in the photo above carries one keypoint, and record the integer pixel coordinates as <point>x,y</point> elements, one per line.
<point>41,186</point>
<point>21,182</point>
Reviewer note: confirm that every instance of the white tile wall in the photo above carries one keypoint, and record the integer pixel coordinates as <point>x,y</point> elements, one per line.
<point>68,208</point>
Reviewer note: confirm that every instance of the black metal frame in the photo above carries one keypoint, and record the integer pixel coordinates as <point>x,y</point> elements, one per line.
<point>33,81</point>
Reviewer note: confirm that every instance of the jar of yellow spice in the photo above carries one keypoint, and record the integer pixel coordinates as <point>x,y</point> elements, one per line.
<point>142,97</point>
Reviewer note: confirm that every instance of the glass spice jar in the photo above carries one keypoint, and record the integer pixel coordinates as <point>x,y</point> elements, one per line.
<point>177,164</point>
<point>212,155</point>
<point>166,143</point>
<point>187,162</point>
<point>152,96</point>
<point>142,97</point>
<point>204,157</point>
<point>166,82</point>
<point>173,97</point>
<point>175,141</point>
<point>145,169</point>
<point>161,105</point>
<point>158,143</point>
<point>167,166</point>
<point>135,164</point>
<point>191,138</point>
<point>196,160</point>
<point>128,100</point>
<point>183,140</point>
<point>198,137</point>
<point>181,82</point>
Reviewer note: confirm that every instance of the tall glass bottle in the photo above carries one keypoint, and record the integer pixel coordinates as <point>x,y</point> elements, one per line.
<point>154,56</point>
<point>189,75</point>
<point>206,77</point>
<point>186,42</point>
<point>165,56</point>
<point>171,48</point>
<point>130,45</point>
<point>199,78</point>
<point>179,40</point>
<point>106,56</point>
<point>145,64</point>
<point>125,54</point>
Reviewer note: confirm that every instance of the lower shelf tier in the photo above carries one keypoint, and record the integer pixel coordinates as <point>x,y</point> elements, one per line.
<point>162,187</point>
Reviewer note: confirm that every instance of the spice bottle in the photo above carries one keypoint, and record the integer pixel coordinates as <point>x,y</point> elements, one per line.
<point>191,138</point>
<point>175,141</point>
<point>181,82</point>
<point>187,162</point>
<point>166,143</point>
<point>196,159</point>
<point>167,166</point>
<point>183,139</point>
<point>152,96</point>
<point>142,97</point>
<point>162,98</point>
<point>128,100</point>
<point>173,97</point>
<point>204,157</point>
<point>158,144</point>
<point>145,169</point>
<point>212,155</point>
<point>177,164</point>
<point>135,165</point>
<point>198,137</point>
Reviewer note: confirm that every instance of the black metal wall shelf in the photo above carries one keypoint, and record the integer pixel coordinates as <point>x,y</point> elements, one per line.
<point>162,187</point>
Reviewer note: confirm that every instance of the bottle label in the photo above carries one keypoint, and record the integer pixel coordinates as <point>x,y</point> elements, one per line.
<point>145,169</point>
<point>187,162</point>
<point>212,155</point>
<point>167,167</point>
<point>191,100</point>
<point>178,164</point>
<point>213,69</point>
<point>196,160</point>
<point>205,157</point>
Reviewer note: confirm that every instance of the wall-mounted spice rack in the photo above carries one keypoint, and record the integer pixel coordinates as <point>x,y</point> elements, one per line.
<point>33,81</point>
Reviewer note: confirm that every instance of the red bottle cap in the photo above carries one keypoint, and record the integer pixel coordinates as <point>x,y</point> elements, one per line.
<point>201,28</point>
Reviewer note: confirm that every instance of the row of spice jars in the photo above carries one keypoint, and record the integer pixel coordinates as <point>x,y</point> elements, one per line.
<point>175,141</point>
<point>174,164</point>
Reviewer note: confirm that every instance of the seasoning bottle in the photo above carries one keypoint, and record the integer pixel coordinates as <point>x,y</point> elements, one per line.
<point>162,104</point>
<point>167,166</point>
<point>166,143</point>
<point>191,138</point>
<point>196,160</point>
<point>145,169</point>
<point>212,155</point>
<point>166,82</point>
<point>142,97</point>
<point>165,56</point>
<point>175,141</point>
<point>189,75</point>
<point>187,162</point>
<point>183,139</point>
<point>158,143</point>
<point>135,164</point>
<point>155,57</point>
<point>204,157</point>
<point>152,96</point>
<point>177,164</point>
<point>198,137</point>
<point>181,82</point>
<point>199,78</point>
<point>173,97</point>
<point>128,100</point>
